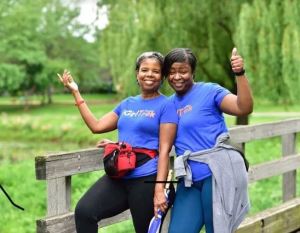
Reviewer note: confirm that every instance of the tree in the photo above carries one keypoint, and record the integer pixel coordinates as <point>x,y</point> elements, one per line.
<point>207,27</point>
<point>291,50</point>
<point>269,37</point>
<point>39,41</point>
<point>136,26</point>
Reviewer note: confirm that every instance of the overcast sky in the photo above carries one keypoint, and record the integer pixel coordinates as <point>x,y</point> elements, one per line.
<point>88,14</point>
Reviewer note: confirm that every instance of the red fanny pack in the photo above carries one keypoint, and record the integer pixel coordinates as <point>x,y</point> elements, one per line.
<point>119,158</point>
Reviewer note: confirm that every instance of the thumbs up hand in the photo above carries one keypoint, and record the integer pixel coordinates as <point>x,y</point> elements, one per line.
<point>237,63</point>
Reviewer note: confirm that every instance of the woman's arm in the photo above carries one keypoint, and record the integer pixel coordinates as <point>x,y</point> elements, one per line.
<point>242,103</point>
<point>166,138</point>
<point>105,124</point>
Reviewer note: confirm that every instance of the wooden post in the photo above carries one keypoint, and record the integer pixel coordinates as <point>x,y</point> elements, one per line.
<point>241,146</point>
<point>165,226</point>
<point>59,195</point>
<point>289,178</point>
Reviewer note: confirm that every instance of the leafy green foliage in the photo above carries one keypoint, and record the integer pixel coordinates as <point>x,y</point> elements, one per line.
<point>268,36</point>
<point>136,26</point>
<point>18,180</point>
<point>38,42</point>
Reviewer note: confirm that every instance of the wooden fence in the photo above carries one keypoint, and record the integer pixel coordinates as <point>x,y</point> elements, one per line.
<point>57,170</point>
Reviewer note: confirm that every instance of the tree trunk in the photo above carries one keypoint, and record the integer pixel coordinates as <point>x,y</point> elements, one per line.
<point>49,94</point>
<point>43,98</point>
<point>242,120</point>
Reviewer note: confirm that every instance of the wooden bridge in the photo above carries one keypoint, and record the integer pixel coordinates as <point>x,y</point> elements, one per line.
<point>57,170</point>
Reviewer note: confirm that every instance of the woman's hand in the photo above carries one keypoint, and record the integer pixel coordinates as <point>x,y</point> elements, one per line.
<point>160,201</point>
<point>103,142</point>
<point>237,62</point>
<point>240,104</point>
<point>67,79</point>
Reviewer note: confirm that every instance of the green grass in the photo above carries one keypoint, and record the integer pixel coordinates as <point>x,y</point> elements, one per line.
<point>57,98</point>
<point>261,105</point>
<point>57,123</point>
<point>38,130</point>
<point>18,180</point>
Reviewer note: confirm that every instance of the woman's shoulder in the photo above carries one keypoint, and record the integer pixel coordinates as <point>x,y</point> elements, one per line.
<point>166,99</point>
<point>205,84</point>
<point>168,102</point>
<point>162,101</point>
<point>138,99</point>
<point>132,99</point>
<point>208,86</point>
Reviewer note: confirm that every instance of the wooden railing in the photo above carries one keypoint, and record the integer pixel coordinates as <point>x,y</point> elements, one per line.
<point>57,170</point>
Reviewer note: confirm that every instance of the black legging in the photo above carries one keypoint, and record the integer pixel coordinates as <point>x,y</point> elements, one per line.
<point>109,197</point>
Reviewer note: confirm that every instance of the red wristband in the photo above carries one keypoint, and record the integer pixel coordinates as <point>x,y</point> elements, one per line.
<point>79,103</point>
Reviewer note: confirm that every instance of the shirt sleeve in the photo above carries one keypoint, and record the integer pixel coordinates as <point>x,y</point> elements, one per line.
<point>118,108</point>
<point>219,94</point>
<point>169,113</point>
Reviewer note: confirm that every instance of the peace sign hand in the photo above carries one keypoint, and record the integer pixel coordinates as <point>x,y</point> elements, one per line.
<point>67,79</point>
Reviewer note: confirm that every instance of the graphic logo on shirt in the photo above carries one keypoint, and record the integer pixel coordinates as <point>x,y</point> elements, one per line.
<point>184,110</point>
<point>139,113</point>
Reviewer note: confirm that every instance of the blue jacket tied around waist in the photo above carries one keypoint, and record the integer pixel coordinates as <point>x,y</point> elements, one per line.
<point>229,181</point>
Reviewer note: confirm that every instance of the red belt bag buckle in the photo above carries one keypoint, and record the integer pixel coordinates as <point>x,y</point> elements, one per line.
<point>118,159</point>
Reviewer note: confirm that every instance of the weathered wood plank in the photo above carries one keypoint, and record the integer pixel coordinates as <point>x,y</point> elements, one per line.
<point>65,223</point>
<point>280,219</point>
<point>165,226</point>
<point>59,195</point>
<point>289,179</point>
<point>94,159</point>
<point>58,224</point>
<point>284,218</point>
<point>266,130</point>
<point>118,218</point>
<point>67,164</point>
<point>274,168</point>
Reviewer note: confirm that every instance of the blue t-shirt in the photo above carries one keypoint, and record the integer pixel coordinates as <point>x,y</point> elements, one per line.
<point>138,124</point>
<point>200,122</point>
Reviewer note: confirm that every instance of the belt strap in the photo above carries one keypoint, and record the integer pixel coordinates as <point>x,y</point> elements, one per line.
<point>150,153</point>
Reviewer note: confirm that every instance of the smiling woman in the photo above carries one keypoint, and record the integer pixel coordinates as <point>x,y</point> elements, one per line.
<point>146,123</point>
<point>149,74</point>
<point>201,129</point>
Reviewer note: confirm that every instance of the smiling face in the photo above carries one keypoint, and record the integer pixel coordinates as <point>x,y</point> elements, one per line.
<point>180,77</point>
<point>149,75</point>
